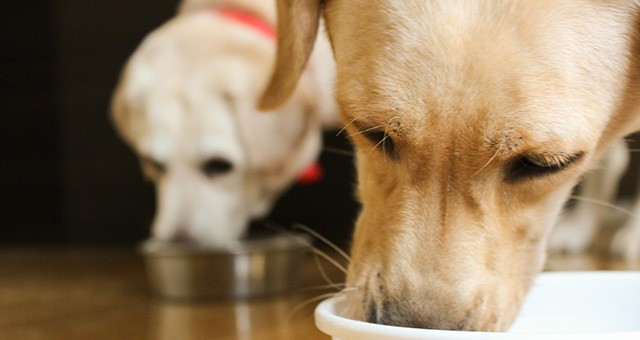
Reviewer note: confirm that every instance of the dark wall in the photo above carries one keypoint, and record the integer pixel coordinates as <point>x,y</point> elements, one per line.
<point>30,189</point>
<point>104,198</point>
<point>66,177</point>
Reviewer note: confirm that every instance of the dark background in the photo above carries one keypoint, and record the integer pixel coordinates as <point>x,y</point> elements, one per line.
<point>65,176</point>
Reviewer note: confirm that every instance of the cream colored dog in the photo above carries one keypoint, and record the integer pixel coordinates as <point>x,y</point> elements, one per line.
<point>186,104</point>
<point>578,226</point>
<point>472,121</point>
<point>596,208</point>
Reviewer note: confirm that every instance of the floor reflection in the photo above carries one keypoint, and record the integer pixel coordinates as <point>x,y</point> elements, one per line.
<point>288,317</point>
<point>580,262</point>
<point>102,293</point>
<point>243,321</point>
<point>276,318</point>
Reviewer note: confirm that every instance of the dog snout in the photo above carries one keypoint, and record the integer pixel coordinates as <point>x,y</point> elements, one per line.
<point>182,235</point>
<point>475,314</point>
<point>439,304</point>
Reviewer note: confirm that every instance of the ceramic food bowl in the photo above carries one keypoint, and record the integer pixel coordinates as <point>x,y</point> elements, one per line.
<point>561,305</point>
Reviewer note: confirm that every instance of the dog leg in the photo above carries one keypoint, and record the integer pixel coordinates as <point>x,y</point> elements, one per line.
<point>577,227</point>
<point>626,241</point>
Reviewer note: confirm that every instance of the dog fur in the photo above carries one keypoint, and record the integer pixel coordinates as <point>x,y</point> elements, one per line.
<point>186,104</point>
<point>472,121</point>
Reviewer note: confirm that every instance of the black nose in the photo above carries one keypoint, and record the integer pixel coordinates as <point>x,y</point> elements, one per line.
<point>182,235</point>
<point>390,314</point>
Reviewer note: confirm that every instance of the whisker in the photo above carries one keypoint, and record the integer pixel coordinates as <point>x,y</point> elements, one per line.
<point>323,287</point>
<point>347,290</point>
<point>329,259</point>
<point>348,308</point>
<point>486,164</point>
<point>320,297</point>
<point>273,225</point>
<point>307,302</point>
<point>348,124</point>
<point>324,240</point>
<point>386,136</point>
<point>365,130</point>
<point>315,250</point>
<point>602,203</point>
<point>345,311</point>
<point>381,142</point>
<point>324,275</point>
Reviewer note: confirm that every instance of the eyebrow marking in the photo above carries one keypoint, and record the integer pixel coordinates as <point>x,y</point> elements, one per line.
<point>352,122</point>
<point>364,131</point>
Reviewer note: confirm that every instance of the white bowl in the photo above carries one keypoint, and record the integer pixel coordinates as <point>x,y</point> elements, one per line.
<point>561,305</point>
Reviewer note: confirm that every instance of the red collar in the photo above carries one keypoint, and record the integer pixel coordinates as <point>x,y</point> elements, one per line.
<point>248,19</point>
<point>311,174</point>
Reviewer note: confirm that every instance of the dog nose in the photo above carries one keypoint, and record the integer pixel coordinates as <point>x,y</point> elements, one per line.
<point>384,315</point>
<point>182,235</point>
<point>403,320</point>
<point>403,315</point>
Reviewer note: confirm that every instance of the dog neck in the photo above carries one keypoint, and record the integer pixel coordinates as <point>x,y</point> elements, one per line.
<point>248,19</point>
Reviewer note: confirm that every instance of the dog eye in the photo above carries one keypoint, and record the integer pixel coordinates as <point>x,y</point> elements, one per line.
<point>524,167</point>
<point>381,140</point>
<point>215,167</point>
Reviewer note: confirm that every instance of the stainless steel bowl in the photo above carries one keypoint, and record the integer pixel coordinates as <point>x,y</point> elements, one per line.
<point>256,267</point>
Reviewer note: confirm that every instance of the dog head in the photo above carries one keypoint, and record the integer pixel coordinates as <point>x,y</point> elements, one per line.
<point>186,104</point>
<point>472,121</point>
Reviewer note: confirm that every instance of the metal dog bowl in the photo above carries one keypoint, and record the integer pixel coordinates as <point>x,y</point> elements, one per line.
<point>256,267</point>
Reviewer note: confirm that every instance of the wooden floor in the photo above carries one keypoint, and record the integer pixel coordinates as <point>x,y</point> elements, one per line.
<point>101,293</point>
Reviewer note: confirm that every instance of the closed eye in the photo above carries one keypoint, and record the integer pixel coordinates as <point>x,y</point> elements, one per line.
<point>533,166</point>
<point>381,140</point>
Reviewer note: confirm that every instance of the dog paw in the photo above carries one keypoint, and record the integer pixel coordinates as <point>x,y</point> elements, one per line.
<point>571,235</point>
<point>626,242</point>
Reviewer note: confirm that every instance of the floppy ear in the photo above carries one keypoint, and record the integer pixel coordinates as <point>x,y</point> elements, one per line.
<point>119,111</point>
<point>298,22</point>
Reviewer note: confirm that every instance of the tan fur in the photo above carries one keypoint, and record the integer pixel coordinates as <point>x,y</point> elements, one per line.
<point>447,238</point>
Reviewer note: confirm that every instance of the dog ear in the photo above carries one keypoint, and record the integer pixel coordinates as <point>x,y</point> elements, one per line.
<point>298,22</point>
<point>119,111</point>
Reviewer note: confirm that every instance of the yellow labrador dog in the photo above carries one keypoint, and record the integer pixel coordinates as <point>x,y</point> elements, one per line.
<point>472,121</point>
<point>186,104</point>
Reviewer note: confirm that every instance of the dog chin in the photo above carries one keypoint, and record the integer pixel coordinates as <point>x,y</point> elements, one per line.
<point>210,235</point>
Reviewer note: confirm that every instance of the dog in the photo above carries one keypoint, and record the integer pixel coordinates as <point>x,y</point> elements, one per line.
<point>186,104</point>
<point>626,241</point>
<point>472,122</point>
<point>578,226</point>
<point>597,207</point>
